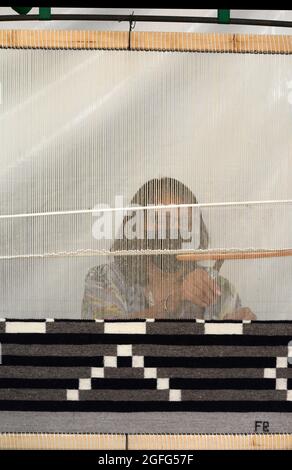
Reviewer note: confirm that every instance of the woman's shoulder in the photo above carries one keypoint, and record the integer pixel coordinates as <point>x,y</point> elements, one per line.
<point>105,273</point>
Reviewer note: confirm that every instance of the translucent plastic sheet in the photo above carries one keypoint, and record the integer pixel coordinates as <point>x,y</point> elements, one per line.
<point>82,131</point>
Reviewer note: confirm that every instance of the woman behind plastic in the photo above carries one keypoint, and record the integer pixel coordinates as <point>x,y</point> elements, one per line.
<point>158,285</point>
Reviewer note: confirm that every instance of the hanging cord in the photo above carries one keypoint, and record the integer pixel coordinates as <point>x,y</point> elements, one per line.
<point>132,25</point>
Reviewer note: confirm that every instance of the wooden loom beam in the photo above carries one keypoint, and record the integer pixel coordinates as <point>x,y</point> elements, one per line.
<point>234,255</point>
<point>147,41</point>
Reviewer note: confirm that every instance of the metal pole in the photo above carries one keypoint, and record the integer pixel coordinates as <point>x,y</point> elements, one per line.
<point>149,18</point>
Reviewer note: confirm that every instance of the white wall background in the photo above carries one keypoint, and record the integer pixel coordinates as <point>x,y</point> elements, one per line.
<point>79,127</point>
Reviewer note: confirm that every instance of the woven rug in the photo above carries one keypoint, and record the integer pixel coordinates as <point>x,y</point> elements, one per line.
<point>145,376</point>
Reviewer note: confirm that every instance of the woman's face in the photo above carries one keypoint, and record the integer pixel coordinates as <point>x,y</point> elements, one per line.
<point>168,225</point>
<point>164,231</point>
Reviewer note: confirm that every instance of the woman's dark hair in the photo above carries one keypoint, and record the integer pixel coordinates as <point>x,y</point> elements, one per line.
<point>135,268</point>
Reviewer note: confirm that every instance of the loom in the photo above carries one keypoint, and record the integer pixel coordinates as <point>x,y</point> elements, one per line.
<point>106,137</point>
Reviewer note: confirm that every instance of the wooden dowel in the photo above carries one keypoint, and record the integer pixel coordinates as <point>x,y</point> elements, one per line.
<point>146,41</point>
<point>233,255</point>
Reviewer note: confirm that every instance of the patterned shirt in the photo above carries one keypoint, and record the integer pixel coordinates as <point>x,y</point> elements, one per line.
<point>107,296</point>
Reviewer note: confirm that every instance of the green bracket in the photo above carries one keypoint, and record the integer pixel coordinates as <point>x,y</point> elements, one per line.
<point>22,10</point>
<point>44,12</point>
<point>223,16</point>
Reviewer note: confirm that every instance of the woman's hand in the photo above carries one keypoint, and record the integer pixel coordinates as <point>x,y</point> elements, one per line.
<point>241,314</point>
<point>200,289</point>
